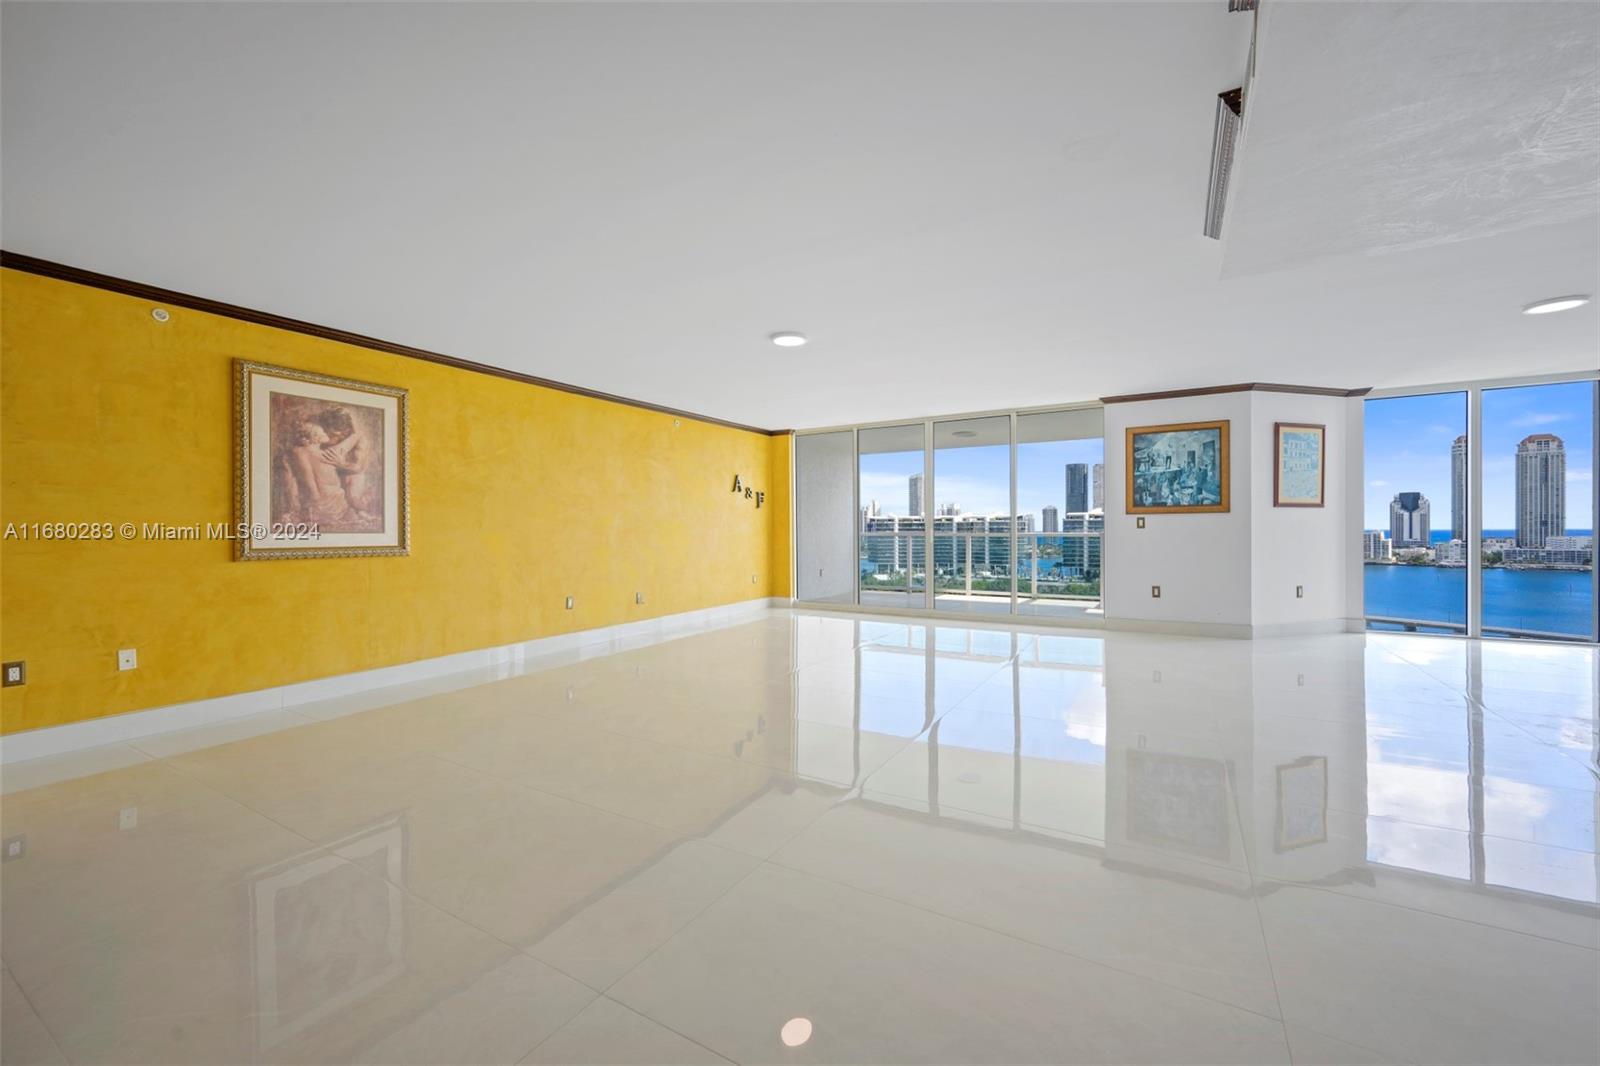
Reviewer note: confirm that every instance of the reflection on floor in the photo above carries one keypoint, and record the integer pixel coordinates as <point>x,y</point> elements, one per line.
<point>820,838</point>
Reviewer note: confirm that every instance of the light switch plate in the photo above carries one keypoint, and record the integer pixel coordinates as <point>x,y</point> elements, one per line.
<point>16,673</point>
<point>1155,592</point>
<point>14,847</point>
<point>569,603</point>
<point>1299,592</point>
<point>128,659</point>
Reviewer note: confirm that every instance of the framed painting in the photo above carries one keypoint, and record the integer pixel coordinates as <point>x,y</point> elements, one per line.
<point>322,466</point>
<point>1177,469</point>
<point>1299,472</point>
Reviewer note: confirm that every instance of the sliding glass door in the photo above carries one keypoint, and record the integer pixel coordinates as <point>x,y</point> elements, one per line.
<point>892,503</point>
<point>988,514</point>
<point>973,520</point>
<point>1060,512</point>
<point>1481,511</point>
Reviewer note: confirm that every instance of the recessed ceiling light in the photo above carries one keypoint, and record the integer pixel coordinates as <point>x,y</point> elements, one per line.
<point>788,339</point>
<point>795,1032</point>
<point>1554,304</point>
<point>965,433</point>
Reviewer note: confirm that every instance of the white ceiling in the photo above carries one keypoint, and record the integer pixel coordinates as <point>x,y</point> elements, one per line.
<point>966,207</point>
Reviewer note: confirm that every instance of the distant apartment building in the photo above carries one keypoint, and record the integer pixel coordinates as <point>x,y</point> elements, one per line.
<point>914,495</point>
<point>1052,520</point>
<point>1458,488</point>
<point>1375,546</point>
<point>1408,520</point>
<point>1541,489</point>
<point>1077,488</point>
<point>1452,552</point>
<point>1098,503</point>
<point>893,542</point>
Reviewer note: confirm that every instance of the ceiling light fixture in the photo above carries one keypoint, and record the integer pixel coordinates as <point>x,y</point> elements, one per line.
<point>795,1032</point>
<point>965,433</point>
<point>788,339</point>
<point>1554,304</point>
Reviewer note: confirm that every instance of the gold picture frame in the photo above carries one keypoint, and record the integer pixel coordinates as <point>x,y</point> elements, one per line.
<point>1157,485</point>
<point>322,465</point>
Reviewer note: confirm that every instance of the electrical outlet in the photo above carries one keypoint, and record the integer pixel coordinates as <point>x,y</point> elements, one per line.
<point>1299,592</point>
<point>638,597</point>
<point>16,673</point>
<point>129,819</point>
<point>1155,676</point>
<point>569,603</point>
<point>128,659</point>
<point>752,579</point>
<point>14,848</point>
<point>1155,592</point>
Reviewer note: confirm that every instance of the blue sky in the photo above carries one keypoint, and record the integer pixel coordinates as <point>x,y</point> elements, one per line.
<point>979,479</point>
<point>1408,449</point>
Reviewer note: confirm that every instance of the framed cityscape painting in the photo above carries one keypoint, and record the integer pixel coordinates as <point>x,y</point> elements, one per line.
<point>1299,473</point>
<point>1177,469</point>
<point>322,468</point>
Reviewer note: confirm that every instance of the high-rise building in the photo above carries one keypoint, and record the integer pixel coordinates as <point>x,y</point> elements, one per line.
<point>1458,488</point>
<point>1099,486</point>
<point>1375,546</point>
<point>1077,488</point>
<point>1408,520</point>
<point>1541,489</point>
<point>914,502</point>
<point>1052,520</point>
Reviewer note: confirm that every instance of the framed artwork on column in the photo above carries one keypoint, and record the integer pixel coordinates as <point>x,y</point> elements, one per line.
<point>1299,470</point>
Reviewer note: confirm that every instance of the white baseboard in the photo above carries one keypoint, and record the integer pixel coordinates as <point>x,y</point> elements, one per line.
<point>1226,630</point>
<point>1314,627</point>
<point>503,661</point>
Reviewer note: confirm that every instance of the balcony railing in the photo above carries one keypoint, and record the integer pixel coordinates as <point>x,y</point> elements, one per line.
<point>1052,568</point>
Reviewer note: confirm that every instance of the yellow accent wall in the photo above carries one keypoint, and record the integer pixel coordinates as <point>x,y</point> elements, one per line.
<point>520,495</point>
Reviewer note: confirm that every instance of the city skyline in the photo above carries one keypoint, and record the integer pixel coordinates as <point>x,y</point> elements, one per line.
<point>979,477</point>
<point>1409,441</point>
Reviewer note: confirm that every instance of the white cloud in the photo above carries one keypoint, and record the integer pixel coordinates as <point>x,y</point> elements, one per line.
<point>1377,484</point>
<point>1539,418</point>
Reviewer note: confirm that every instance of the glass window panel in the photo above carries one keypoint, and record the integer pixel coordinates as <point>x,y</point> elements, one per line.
<point>1061,501</point>
<point>1413,543</point>
<point>893,512</point>
<point>972,520</point>
<point>1538,511</point>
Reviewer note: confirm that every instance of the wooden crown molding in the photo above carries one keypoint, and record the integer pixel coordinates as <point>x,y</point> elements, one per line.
<point>1248,386</point>
<point>61,272</point>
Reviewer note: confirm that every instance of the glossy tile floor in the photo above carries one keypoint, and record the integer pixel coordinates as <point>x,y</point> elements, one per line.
<point>873,840</point>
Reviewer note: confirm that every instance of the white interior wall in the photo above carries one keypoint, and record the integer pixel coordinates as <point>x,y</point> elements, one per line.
<point>1306,547</point>
<point>1239,568</point>
<point>1201,561</point>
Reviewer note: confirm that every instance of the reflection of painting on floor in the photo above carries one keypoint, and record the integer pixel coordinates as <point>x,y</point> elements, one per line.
<point>328,930</point>
<point>1179,802</point>
<point>1303,802</point>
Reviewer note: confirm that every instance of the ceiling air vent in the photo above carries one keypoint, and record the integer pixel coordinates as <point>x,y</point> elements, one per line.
<point>1229,107</point>
<point>1235,6</point>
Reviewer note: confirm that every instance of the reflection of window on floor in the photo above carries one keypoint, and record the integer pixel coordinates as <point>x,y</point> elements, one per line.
<point>1009,730</point>
<point>1436,805</point>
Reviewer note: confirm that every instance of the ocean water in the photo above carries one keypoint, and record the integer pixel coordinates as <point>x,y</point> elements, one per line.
<point>1549,601</point>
